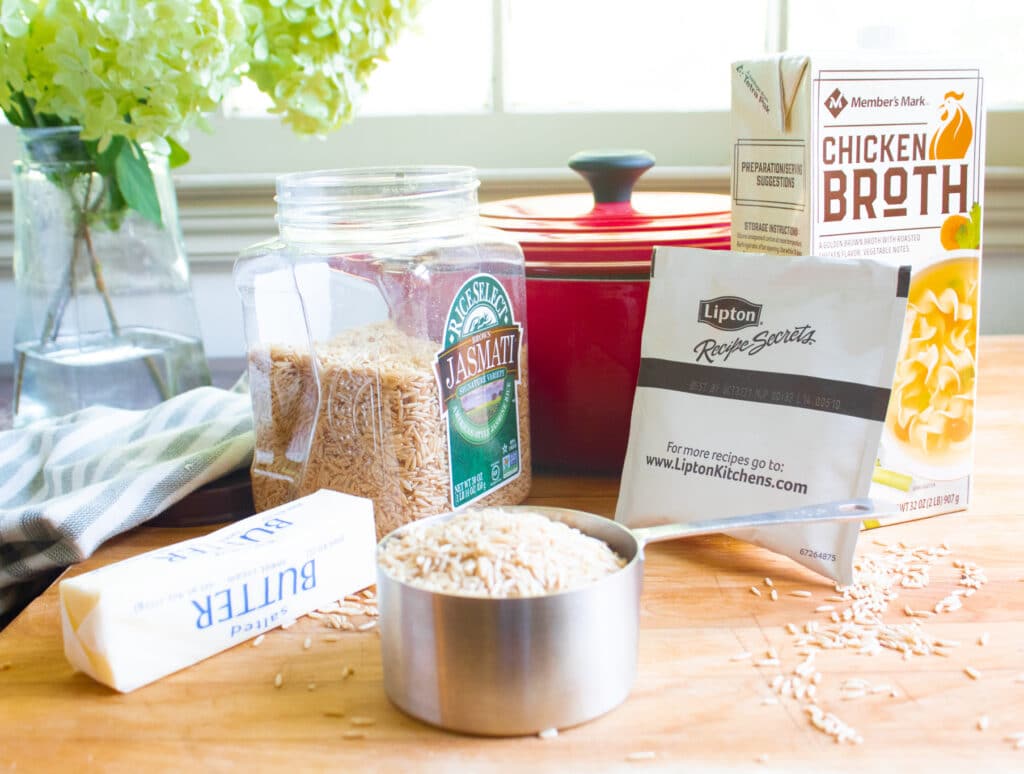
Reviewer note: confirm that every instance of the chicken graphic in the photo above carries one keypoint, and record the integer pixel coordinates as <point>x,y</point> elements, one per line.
<point>953,137</point>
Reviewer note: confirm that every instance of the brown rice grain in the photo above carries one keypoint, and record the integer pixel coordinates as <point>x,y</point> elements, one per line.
<point>495,553</point>
<point>371,418</point>
<point>642,755</point>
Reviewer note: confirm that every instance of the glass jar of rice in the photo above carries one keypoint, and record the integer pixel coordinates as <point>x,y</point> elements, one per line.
<point>386,338</point>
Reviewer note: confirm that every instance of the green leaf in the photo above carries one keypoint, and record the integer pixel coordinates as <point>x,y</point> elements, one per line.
<point>131,171</point>
<point>113,214</point>
<point>105,161</point>
<point>178,155</point>
<point>968,236</point>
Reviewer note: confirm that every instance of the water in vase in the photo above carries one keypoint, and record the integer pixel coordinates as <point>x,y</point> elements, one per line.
<point>136,369</point>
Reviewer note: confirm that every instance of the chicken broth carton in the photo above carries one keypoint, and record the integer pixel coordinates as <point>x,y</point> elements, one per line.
<point>847,161</point>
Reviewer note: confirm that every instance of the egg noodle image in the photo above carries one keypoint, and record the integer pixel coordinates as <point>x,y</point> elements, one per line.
<point>931,410</point>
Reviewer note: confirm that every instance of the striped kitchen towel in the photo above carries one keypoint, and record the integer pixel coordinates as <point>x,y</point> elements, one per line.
<point>68,484</point>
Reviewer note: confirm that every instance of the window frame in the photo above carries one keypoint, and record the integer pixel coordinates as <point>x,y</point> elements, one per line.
<point>232,168</point>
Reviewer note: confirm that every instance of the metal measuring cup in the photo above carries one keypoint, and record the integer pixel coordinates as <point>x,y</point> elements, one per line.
<point>516,666</point>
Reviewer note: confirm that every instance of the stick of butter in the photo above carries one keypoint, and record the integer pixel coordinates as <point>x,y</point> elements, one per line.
<point>132,622</point>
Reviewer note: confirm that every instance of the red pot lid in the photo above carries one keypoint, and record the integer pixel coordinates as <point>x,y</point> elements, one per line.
<point>612,231</point>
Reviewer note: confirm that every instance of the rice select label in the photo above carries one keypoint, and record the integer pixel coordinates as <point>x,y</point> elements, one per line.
<point>477,373</point>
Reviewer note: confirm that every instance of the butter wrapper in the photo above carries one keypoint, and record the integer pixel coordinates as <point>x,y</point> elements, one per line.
<point>135,621</point>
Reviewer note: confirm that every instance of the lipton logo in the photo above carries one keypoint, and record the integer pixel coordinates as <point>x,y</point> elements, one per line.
<point>835,103</point>
<point>729,313</point>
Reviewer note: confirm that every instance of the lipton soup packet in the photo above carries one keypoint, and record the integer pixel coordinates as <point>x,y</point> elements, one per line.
<point>763,385</point>
<point>887,162</point>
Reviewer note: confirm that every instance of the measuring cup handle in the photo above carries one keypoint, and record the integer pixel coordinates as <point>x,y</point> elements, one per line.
<point>839,510</point>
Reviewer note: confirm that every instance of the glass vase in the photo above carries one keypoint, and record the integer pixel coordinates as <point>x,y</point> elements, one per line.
<point>104,311</point>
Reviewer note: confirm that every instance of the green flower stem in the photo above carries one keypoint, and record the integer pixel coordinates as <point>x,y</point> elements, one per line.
<point>115,327</point>
<point>55,312</point>
<point>68,283</point>
<point>58,306</point>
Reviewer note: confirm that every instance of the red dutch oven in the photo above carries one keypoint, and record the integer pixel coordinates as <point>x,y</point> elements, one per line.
<point>588,262</point>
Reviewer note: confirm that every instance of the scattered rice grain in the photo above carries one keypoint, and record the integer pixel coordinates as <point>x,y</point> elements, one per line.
<point>745,655</point>
<point>642,755</point>
<point>278,680</point>
<point>307,643</point>
<point>361,720</point>
<point>983,723</point>
<point>774,595</point>
<point>768,582</point>
<point>755,591</point>
<point>353,735</point>
<point>548,733</point>
<point>983,639</point>
<point>972,673</point>
<point>259,640</point>
<point>799,593</point>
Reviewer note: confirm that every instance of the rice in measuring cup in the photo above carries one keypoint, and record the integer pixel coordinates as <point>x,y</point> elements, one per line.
<point>493,552</point>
